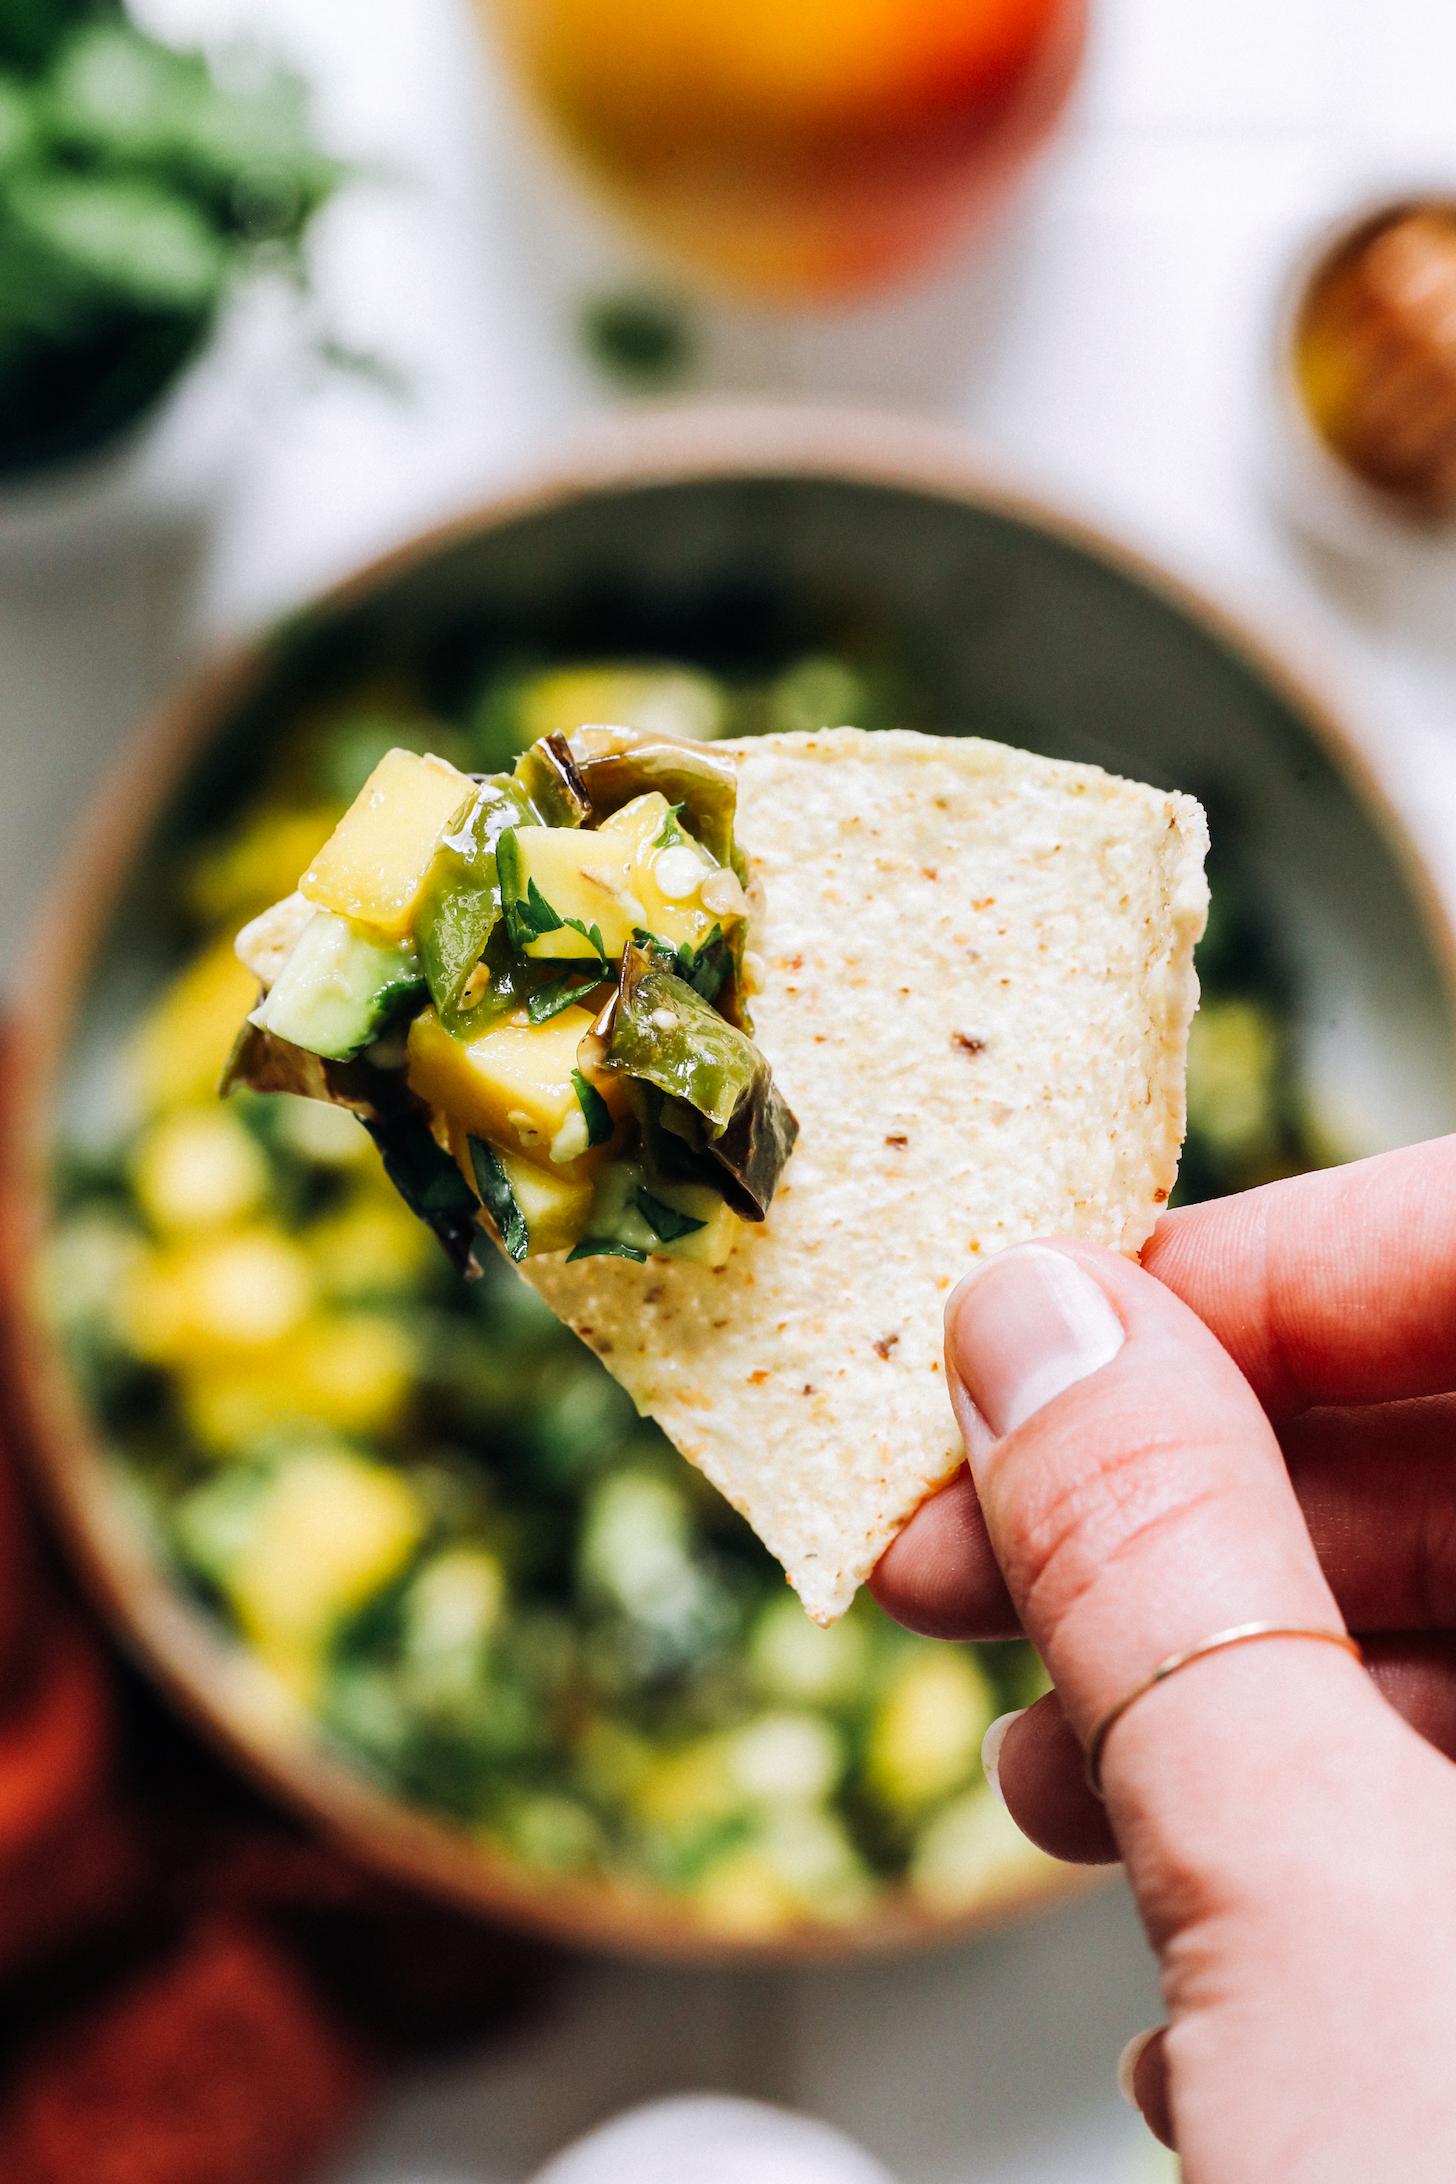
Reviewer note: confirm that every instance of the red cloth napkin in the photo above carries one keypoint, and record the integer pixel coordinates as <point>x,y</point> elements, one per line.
<point>194,1989</point>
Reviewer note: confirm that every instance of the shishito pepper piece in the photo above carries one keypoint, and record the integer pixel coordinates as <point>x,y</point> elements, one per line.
<point>374,866</point>
<point>665,1035</point>
<point>618,766</point>
<point>460,903</point>
<point>514,1084</point>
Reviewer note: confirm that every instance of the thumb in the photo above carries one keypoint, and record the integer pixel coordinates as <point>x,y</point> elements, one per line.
<point>1137,1503</point>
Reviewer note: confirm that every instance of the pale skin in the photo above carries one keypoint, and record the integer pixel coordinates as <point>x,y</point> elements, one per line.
<point>1257,1424</point>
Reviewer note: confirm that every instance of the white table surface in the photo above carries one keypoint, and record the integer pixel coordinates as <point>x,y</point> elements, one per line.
<point>1109,345</point>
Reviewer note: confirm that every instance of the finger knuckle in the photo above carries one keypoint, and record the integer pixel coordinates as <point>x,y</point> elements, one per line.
<point>1096,1517</point>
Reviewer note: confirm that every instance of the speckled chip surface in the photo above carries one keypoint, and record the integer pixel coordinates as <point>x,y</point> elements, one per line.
<point>978,985</point>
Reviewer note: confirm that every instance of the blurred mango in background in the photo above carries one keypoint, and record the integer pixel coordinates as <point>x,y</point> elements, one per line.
<point>807,151</point>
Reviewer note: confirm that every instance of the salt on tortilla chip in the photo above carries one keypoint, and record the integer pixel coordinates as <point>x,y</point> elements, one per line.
<point>978,985</point>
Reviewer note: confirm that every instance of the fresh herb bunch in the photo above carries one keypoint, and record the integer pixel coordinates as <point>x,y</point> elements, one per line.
<point>138,185</point>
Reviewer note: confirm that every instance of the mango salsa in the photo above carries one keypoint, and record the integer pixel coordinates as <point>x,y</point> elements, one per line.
<point>426,1508</point>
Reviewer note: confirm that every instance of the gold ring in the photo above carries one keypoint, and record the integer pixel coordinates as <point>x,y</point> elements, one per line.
<point>1240,1634</point>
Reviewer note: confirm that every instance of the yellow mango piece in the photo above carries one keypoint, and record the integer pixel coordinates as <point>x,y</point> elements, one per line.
<point>198,1168</point>
<point>925,1733</point>
<point>334,1529</point>
<point>374,865</point>
<point>353,1372</point>
<point>582,876</point>
<point>511,1084</point>
<point>183,1046</point>
<point>218,1296</point>
<point>665,878</point>
<point>554,1205</point>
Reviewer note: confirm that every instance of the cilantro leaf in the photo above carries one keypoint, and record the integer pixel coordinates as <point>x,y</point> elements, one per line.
<point>705,969</point>
<point>498,1199</point>
<point>671,832</point>
<point>594,1107</point>
<point>428,1181</point>
<point>531,915</point>
<point>605,1247</point>
<point>666,1221</point>
<point>548,1001</point>
<point>591,933</point>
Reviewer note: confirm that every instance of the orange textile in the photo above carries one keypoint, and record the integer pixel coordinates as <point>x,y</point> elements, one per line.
<point>194,1989</point>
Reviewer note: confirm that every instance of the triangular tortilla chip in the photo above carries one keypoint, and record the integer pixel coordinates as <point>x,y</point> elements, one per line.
<point>978,985</point>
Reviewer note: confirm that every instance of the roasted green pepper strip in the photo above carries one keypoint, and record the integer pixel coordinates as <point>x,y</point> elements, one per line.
<point>616,766</point>
<point>548,775</point>
<point>462,904</point>
<point>665,1035</point>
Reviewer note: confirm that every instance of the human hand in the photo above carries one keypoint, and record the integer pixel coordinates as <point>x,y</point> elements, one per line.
<point>1258,1425</point>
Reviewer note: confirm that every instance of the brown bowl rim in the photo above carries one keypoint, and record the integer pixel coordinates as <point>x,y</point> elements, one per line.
<point>212,1682</point>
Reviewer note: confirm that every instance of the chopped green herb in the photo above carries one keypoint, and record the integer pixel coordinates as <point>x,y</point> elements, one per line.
<point>549,1001</point>
<point>705,969</point>
<point>665,1221</point>
<point>594,1107</point>
<point>591,933</point>
<point>671,833</point>
<point>640,339</point>
<point>498,1199</point>
<point>529,915</point>
<point>428,1181</point>
<point>605,1247</point>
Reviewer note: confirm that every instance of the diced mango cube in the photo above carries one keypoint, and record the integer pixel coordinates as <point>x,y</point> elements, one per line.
<point>576,875</point>
<point>664,877</point>
<point>512,1084</point>
<point>553,1205</point>
<point>221,1295</point>
<point>331,1530</point>
<point>352,1371</point>
<point>183,1046</point>
<point>374,865</point>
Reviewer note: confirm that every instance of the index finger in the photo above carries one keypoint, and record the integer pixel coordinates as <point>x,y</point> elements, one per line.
<point>1338,1287</point>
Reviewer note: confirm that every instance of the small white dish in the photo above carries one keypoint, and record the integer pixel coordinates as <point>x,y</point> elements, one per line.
<point>1318,492</point>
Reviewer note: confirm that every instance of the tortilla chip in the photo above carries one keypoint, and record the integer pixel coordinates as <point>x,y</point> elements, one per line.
<point>978,985</point>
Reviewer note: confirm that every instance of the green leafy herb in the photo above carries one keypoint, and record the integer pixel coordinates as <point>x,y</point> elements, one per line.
<point>705,968</point>
<point>428,1181</point>
<point>605,1247</point>
<point>529,916</point>
<point>137,186</point>
<point>591,933</point>
<point>666,1221</point>
<point>498,1199</point>
<point>548,1001</point>
<point>594,1107</point>
<point>641,340</point>
<point>671,833</point>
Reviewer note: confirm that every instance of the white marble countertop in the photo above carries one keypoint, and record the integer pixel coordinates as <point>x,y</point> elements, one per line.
<point>1109,345</point>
